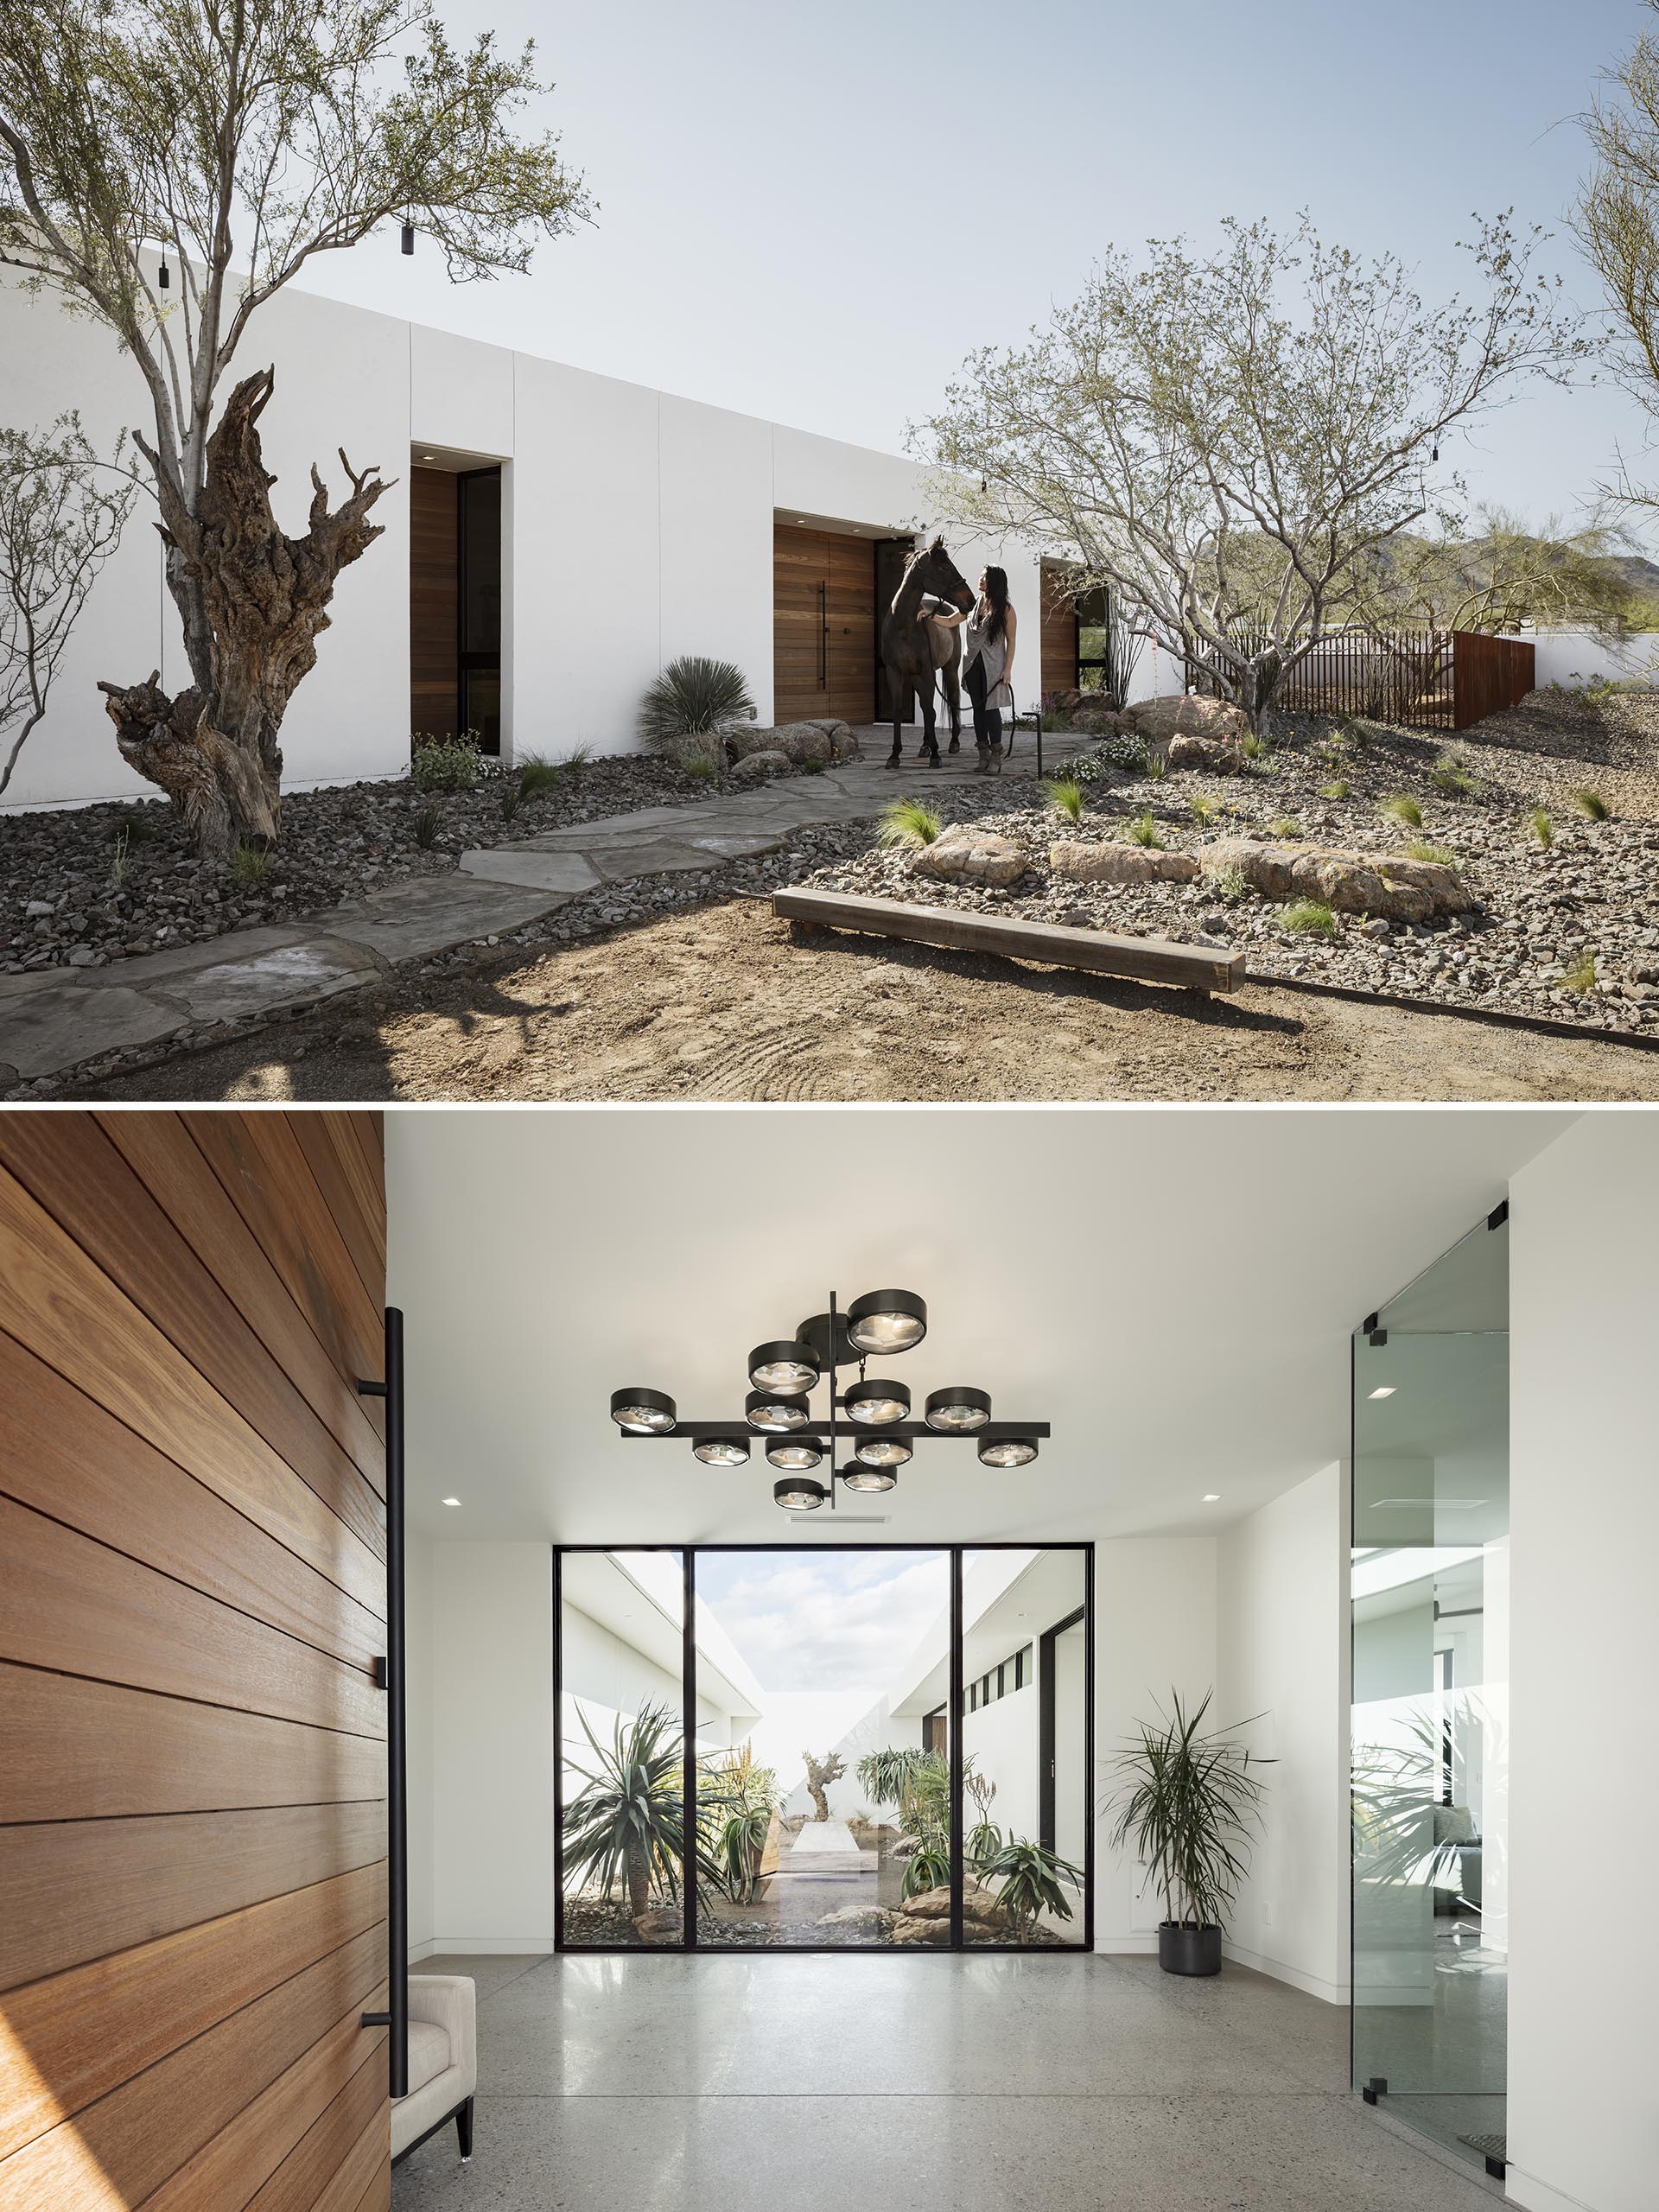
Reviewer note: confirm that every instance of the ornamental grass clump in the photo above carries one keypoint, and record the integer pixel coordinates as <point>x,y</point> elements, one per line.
<point>426,827</point>
<point>1064,797</point>
<point>1590,803</point>
<point>694,697</point>
<point>1453,778</point>
<point>538,778</point>
<point>1337,791</point>
<point>1581,976</point>
<point>1285,825</point>
<point>1141,829</point>
<point>250,865</point>
<point>1310,917</point>
<point>1542,827</point>
<point>907,824</point>
<point>1206,808</point>
<point>1403,809</point>
<point>1419,849</point>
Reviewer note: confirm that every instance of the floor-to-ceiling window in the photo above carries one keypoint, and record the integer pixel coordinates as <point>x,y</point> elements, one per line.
<point>1430,1608</point>
<point>833,1803</point>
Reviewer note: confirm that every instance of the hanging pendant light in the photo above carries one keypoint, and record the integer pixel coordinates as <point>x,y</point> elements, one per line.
<point>774,1410</point>
<point>794,1453</point>
<point>408,240</point>
<point>868,1480</point>
<point>164,274</point>
<point>877,1404</point>
<point>958,1409</point>
<point>886,1320</point>
<point>879,1451</point>
<point>787,1365</point>
<point>799,1494</point>
<point>643,1412</point>
<point>722,1451</point>
<point>1008,1451</point>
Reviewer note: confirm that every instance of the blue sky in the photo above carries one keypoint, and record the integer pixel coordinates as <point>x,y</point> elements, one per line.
<point>779,185</point>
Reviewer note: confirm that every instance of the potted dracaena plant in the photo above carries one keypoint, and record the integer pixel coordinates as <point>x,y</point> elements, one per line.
<point>1186,1803</point>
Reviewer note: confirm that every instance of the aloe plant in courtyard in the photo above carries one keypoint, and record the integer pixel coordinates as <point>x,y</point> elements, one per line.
<point>1185,1804</point>
<point>1033,1881</point>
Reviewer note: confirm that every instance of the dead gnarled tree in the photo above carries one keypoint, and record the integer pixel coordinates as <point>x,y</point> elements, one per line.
<point>239,138</point>
<point>820,1773</point>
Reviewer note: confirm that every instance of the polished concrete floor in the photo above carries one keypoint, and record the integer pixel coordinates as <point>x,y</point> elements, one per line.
<point>941,2084</point>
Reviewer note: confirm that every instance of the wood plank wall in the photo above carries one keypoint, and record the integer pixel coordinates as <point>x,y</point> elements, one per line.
<point>192,1830</point>
<point>434,602</point>
<point>823,624</point>
<point>1060,630</point>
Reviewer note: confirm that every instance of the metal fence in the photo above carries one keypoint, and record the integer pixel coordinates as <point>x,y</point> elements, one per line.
<point>1420,678</point>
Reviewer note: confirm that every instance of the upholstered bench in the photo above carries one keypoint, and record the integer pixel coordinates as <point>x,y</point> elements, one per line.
<point>443,2062</point>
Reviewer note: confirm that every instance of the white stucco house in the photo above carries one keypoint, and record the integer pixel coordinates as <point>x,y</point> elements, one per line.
<point>552,539</point>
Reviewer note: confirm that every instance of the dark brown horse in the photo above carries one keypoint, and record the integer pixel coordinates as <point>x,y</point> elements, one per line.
<point>912,648</point>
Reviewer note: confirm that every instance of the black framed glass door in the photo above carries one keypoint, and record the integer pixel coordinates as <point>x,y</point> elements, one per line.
<point>829,1801</point>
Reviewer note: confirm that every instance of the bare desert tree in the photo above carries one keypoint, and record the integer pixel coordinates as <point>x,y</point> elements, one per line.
<point>1616,219</point>
<point>61,516</point>
<point>1223,441</point>
<point>241,138</point>
<point>1503,575</point>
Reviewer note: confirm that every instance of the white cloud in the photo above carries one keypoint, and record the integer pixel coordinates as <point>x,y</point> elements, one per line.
<point>836,1621</point>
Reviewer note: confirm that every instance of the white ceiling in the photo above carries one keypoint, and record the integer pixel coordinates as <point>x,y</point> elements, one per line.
<point>1172,1289</point>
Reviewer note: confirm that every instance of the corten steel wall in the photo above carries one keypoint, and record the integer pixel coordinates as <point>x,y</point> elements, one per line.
<point>192,1592</point>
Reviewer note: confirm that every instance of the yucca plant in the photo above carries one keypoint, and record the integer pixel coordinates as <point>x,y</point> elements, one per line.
<point>627,1823</point>
<point>1185,1803</point>
<point>694,697</point>
<point>1033,1881</point>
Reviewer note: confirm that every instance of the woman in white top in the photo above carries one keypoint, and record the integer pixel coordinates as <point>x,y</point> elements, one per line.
<point>988,664</point>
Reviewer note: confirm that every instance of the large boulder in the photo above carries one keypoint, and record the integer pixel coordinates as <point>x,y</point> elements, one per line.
<point>1191,715</point>
<point>803,743</point>
<point>978,1903</point>
<point>755,768</point>
<point>1386,886</point>
<point>1075,862</point>
<point>1211,756</point>
<point>876,1918</point>
<point>965,854</point>
<point>700,750</point>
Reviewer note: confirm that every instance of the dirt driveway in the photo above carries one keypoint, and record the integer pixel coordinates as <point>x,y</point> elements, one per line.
<point>727,1003</point>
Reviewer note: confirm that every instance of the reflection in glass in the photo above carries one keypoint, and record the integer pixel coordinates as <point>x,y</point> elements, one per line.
<point>1024,1746</point>
<point>620,1728</point>
<point>1430,1610</point>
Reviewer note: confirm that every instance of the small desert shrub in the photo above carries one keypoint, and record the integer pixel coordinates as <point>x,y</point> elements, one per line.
<point>1254,747</point>
<point>512,798</point>
<point>249,865</point>
<point>1339,790</point>
<point>1285,825</point>
<point>1542,827</point>
<point>1229,883</point>
<point>1111,751</point>
<point>1309,918</point>
<point>1065,798</point>
<point>1590,803</point>
<point>1419,849</point>
<point>1403,809</point>
<point>120,861</point>
<point>1581,976</point>
<point>1449,776</point>
<point>1141,829</point>
<point>694,697</point>
<point>702,767</point>
<point>426,827</point>
<point>908,824</point>
<point>446,764</point>
<point>578,757</point>
<point>538,778</point>
<point>1157,763</point>
<point>1206,808</point>
<point>132,826</point>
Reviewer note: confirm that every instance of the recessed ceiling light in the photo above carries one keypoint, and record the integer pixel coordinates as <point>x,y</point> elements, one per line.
<point>1211,1498</point>
<point>452,1501</point>
<point>1387,1391</point>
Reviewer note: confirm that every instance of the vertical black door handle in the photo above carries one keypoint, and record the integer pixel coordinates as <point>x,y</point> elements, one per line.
<point>824,636</point>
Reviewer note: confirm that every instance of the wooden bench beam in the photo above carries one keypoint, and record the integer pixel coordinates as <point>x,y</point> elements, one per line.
<point>1141,959</point>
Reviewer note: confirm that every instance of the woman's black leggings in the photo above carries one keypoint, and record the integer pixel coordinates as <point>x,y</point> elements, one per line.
<point>987,720</point>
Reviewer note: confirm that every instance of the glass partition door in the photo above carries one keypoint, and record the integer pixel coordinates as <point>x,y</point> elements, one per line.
<point>1430,1628</point>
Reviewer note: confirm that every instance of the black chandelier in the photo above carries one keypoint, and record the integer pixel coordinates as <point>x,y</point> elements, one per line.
<point>872,1414</point>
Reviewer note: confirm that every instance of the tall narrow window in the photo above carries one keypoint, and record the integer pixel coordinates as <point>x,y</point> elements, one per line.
<point>480,524</point>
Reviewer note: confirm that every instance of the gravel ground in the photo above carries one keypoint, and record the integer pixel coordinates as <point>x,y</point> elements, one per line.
<point>1593,895</point>
<point>83,886</point>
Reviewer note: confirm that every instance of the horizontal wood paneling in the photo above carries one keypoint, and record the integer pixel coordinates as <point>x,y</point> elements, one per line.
<point>74,2036</point>
<point>65,1456</point>
<point>192,1756</point>
<point>78,1608</point>
<point>434,602</point>
<point>216,2117</point>
<point>80,1889</point>
<point>81,1751</point>
<point>55,1301</point>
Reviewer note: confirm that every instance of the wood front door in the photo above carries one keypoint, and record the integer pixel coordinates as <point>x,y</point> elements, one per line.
<point>824,625</point>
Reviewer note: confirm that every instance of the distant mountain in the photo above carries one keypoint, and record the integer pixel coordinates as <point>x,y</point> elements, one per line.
<point>1641,575</point>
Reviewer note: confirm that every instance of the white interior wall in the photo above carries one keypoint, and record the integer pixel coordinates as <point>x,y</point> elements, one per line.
<point>1155,1631</point>
<point>1281,1652</point>
<point>1584,1792</point>
<point>418,1718</point>
<point>492,1675</point>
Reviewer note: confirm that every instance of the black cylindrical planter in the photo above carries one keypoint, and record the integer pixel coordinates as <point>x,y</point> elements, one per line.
<point>1189,1950</point>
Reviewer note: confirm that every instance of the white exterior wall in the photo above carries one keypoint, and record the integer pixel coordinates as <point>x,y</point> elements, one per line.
<point>636,526</point>
<point>1584,1635</point>
<point>1003,1739</point>
<point>1576,658</point>
<point>1282,1652</point>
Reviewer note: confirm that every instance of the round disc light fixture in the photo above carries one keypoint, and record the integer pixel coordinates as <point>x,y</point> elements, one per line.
<point>957,1410</point>
<point>722,1451</point>
<point>879,1451</point>
<point>877,1404</point>
<point>775,1410</point>
<point>858,1476</point>
<point>799,1494</point>
<point>643,1412</point>
<point>1008,1452</point>
<point>794,1453</point>
<point>789,1366</point>
<point>829,1344</point>
<point>886,1320</point>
